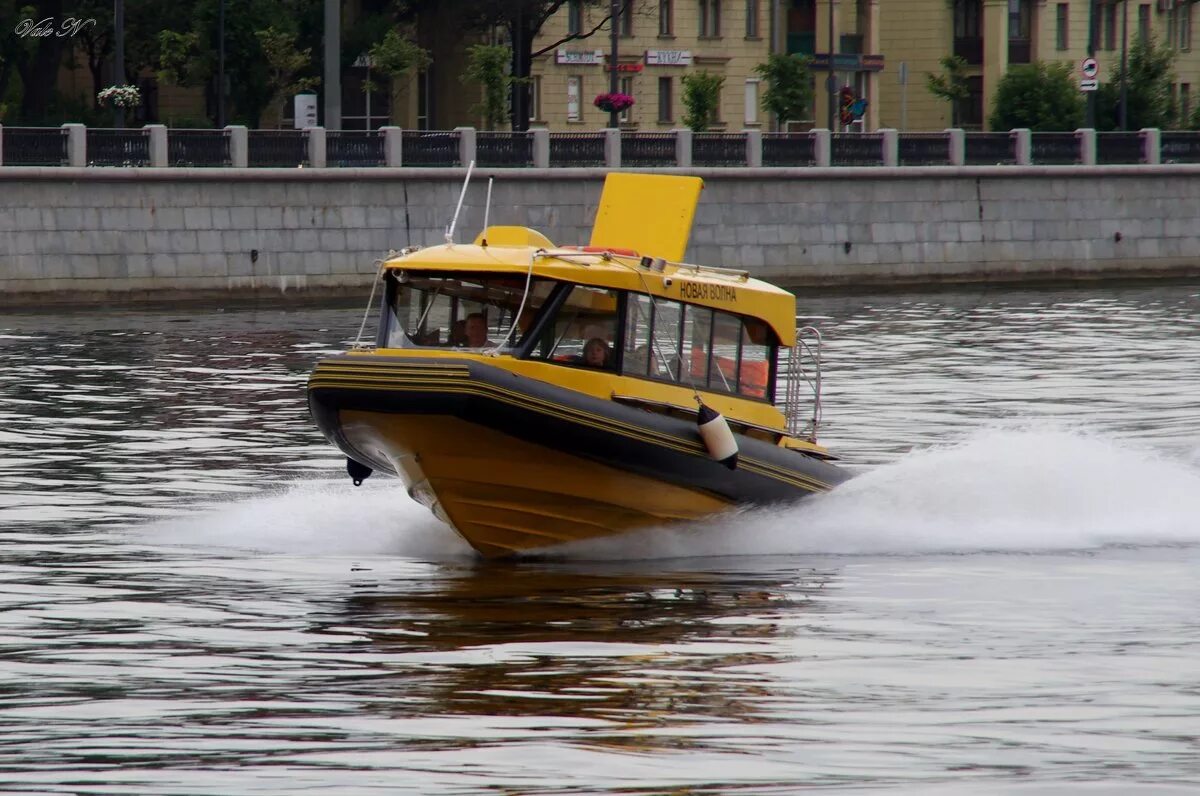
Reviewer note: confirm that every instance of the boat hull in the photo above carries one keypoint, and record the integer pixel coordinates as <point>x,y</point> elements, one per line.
<point>516,464</point>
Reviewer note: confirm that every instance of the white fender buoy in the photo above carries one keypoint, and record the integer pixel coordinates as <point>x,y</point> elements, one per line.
<point>718,439</point>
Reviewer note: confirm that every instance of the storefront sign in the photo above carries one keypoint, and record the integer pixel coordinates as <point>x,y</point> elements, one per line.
<point>626,68</point>
<point>579,57</point>
<point>668,57</point>
<point>574,90</point>
<point>848,62</point>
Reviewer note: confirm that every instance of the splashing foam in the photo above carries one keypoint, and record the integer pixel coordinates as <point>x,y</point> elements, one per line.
<point>999,490</point>
<point>319,517</point>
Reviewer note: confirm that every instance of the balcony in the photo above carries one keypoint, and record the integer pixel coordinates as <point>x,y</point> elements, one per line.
<point>969,48</point>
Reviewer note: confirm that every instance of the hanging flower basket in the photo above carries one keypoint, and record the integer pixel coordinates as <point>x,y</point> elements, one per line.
<point>120,97</point>
<point>610,103</point>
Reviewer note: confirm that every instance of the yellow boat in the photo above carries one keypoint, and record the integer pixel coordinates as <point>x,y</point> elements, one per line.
<point>531,394</point>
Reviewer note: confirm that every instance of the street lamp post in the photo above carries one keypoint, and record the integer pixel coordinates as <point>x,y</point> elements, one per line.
<point>221,64</point>
<point>118,57</point>
<point>615,14</point>
<point>1091,50</point>
<point>830,82</point>
<point>1125,65</point>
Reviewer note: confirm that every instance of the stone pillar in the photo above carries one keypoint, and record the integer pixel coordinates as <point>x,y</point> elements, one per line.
<point>239,146</point>
<point>1086,139</point>
<point>612,148</point>
<point>1022,146</point>
<point>315,137</point>
<point>821,95</point>
<point>76,144</point>
<point>995,50</point>
<point>466,145</point>
<point>393,140</point>
<point>541,147</point>
<point>822,147</point>
<point>754,148</point>
<point>958,146</point>
<point>683,147</point>
<point>891,147</point>
<point>1151,146</point>
<point>157,145</point>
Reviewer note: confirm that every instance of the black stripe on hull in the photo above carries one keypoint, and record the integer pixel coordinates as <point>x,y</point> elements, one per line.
<point>634,440</point>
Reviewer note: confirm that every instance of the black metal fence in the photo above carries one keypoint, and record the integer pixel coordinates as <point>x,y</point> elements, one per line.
<point>429,148</point>
<point>118,147</point>
<point>277,148</point>
<point>1119,148</point>
<point>576,149</point>
<point>719,149</point>
<point>788,149</point>
<point>923,149</point>
<point>35,146</point>
<point>1179,146</point>
<point>856,149</point>
<point>989,149</point>
<point>198,148</point>
<point>503,149</point>
<point>354,148</point>
<point>648,149</point>
<point>1053,149</point>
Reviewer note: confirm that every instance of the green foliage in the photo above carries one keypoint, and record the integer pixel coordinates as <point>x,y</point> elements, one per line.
<point>284,64</point>
<point>1039,96</point>
<point>180,60</point>
<point>789,92</point>
<point>701,99</point>
<point>951,85</point>
<point>487,65</point>
<point>1148,88</point>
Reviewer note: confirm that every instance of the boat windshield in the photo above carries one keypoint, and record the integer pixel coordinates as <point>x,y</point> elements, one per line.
<point>461,311</point>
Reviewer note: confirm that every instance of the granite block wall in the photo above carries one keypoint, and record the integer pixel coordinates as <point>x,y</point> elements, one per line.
<point>183,232</point>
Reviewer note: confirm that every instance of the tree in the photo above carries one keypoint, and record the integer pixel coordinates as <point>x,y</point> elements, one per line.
<point>702,99</point>
<point>285,62</point>
<point>789,91</point>
<point>1148,89</point>
<point>487,65</point>
<point>1039,96</point>
<point>951,85</point>
<point>394,56</point>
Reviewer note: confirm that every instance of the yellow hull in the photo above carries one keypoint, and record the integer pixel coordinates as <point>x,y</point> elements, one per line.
<point>505,495</point>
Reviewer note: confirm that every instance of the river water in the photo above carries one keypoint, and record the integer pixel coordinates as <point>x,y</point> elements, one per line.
<point>194,599</point>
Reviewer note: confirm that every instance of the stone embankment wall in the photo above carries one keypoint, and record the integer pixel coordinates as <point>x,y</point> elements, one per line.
<point>166,233</point>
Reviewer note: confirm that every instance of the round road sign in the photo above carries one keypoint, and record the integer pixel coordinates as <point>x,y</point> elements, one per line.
<point>1089,67</point>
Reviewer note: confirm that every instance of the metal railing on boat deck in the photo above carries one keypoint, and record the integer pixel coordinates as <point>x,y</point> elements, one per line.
<point>802,367</point>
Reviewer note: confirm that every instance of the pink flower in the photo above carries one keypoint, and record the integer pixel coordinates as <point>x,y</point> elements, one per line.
<point>613,102</point>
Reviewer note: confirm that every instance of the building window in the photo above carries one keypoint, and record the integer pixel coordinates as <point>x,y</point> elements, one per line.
<point>627,88</point>
<point>1185,101</point>
<point>751,19</point>
<point>666,18</point>
<point>1108,23</point>
<point>710,18</point>
<point>968,41</point>
<point>664,100</point>
<point>751,102</point>
<point>1061,40</point>
<point>1143,31</point>
<point>1185,27</point>
<point>1020,13</point>
<point>626,18</point>
<point>574,93</point>
<point>574,17</point>
<point>535,97</point>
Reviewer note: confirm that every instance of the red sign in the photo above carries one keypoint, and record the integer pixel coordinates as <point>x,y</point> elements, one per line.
<point>626,68</point>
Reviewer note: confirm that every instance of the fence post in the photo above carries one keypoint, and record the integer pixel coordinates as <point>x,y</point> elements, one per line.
<point>76,144</point>
<point>958,146</point>
<point>1151,145</point>
<point>392,139</point>
<point>612,148</point>
<point>1022,146</point>
<point>822,149</point>
<point>890,144</point>
<point>683,147</point>
<point>315,137</point>
<point>466,145</point>
<point>541,147</point>
<point>239,146</point>
<point>754,148</point>
<point>157,145</point>
<point>1086,138</point>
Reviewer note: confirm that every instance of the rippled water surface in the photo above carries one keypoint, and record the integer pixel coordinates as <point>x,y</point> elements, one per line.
<point>194,600</point>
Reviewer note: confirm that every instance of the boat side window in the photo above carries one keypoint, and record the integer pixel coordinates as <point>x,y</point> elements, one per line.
<point>754,363</point>
<point>583,332</point>
<point>724,352</point>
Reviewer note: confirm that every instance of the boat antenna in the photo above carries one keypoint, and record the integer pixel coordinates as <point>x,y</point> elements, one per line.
<point>462,195</point>
<point>487,208</point>
<point>370,303</point>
